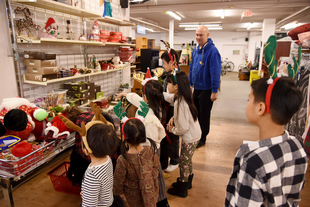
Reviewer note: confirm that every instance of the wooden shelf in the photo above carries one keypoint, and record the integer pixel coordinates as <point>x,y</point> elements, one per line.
<point>69,78</point>
<point>112,20</point>
<point>59,7</point>
<point>63,41</point>
<point>119,44</point>
<point>84,105</point>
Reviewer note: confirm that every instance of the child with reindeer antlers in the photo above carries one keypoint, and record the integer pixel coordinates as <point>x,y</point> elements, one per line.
<point>99,141</point>
<point>154,100</point>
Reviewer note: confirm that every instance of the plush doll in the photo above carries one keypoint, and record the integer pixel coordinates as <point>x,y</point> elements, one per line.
<point>107,7</point>
<point>50,30</point>
<point>20,118</point>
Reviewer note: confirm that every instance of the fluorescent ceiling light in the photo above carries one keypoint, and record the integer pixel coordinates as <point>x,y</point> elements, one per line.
<point>181,15</point>
<point>211,28</point>
<point>174,15</point>
<point>222,14</point>
<point>148,29</point>
<point>197,25</point>
<point>250,26</point>
<point>136,0</point>
<point>291,26</point>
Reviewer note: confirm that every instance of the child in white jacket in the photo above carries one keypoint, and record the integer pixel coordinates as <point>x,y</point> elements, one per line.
<point>185,124</point>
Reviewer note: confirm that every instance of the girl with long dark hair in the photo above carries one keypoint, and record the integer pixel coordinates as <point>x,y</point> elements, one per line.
<point>185,124</point>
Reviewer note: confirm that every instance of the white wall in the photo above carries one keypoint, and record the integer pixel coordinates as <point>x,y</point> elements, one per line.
<point>220,39</point>
<point>254,38</point>
<point>8,84</point>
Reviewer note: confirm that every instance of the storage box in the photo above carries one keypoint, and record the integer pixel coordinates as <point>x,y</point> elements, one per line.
<point>60,180</point>
<point>39,55</point>
<point>90,86</point>
<point>243,76</point>
<point>80,94</point>
<point>42,71</point>
<point>97,89</point>
<point>84,101</point>
<point>40,78</point>
<point>99,95</point>
<point>75,86</point>
<point>39,63</point>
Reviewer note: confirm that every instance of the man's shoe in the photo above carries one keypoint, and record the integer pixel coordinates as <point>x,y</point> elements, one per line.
<point>200,144</point>
<point>171,168</point>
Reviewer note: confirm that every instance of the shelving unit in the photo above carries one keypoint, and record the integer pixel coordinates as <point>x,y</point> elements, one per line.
<point>58,7</point>
<point>63,41</point>
<point>68,78</point>
<point>141,43</point>
<point>67,9</point>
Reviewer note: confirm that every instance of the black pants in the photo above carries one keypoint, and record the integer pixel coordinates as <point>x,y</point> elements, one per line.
<point>169,150</point>
<point>204,105</point>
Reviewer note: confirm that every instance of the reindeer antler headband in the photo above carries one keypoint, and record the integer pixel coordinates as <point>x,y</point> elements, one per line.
<point>97,119</point>
<point>172,58</point>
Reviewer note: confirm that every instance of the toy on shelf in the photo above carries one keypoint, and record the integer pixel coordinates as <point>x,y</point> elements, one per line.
<point>107,8</point>
<point>69,34</point>
<point>50,30</point>
<point>20,118</point>
<point>25,24</point>
<point>94,33</point>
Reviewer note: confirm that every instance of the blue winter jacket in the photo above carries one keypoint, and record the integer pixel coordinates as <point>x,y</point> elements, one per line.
<point>205,76</point>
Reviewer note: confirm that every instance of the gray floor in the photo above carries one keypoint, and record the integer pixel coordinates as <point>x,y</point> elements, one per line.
<point>232,99</point>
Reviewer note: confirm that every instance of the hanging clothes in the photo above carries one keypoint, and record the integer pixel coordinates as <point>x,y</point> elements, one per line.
<point>297,124</point>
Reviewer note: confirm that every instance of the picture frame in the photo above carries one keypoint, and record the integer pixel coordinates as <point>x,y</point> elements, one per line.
<point>184,59</point>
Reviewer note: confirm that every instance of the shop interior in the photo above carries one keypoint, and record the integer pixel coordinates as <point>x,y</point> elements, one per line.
<point>65,53</point>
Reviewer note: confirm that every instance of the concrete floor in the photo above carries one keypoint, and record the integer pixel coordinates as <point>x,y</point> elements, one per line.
<point>212,163</point>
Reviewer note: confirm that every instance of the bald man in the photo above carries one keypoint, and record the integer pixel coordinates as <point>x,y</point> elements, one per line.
<point>204,77</point>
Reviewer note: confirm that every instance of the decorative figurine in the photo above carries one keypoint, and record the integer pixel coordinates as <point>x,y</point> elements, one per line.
<point>25,24</point>
<point>50,30</point>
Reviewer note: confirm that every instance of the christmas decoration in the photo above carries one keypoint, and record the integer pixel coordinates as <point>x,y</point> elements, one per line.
<point>25,24</point>
<point>50,30</point>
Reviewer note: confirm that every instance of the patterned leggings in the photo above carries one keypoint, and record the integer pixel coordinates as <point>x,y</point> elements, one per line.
<point>185,163</point>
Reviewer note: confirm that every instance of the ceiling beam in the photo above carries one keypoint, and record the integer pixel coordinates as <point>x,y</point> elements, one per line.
<point>150,24</point>
<point>301,13</point>
<point>138,9</point>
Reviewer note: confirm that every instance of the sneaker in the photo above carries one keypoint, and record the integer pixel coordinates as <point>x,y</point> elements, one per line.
<point>200,144</point>
<point>171,168</point>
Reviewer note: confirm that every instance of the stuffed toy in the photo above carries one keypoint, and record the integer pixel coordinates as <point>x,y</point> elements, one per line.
<point>107,7</point>
<point>50,30</point>
<point>20,118</point>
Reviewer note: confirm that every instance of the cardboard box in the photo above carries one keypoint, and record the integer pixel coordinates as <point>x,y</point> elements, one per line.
<point>75,86</point>
<point>80,94</point>
<point>97,89</point>
<point>39,55</point>
<point>90,86</point>
<point>39,63</point>
<point>40,77</point>
<point>84,101</point>
<point>42,71</point>
<point>92,96</point>
<point>99,95</point>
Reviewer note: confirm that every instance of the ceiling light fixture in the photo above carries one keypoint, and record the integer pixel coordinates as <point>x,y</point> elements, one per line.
<point>174,15</point>
<point>197,25</point>
<point>148,29</point>
<point>250,26</point>
<point>291,26</point>
<point>181,15</point>
<point>211,28</point>
<point>136,0</point>
<point>222,13</point>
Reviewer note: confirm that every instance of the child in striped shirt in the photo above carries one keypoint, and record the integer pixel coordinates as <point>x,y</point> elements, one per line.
<point>97,185</point>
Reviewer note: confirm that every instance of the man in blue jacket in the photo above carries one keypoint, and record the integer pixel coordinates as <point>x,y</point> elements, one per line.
<point>204,77</point>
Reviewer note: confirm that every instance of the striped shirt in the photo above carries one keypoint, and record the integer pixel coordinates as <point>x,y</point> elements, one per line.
<point>97,185</point>
<point>270,172</point>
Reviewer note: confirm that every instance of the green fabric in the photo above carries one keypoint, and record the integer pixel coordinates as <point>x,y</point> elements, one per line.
<point>144,109</point>
<point>270,55</point>
<point>118,110</point>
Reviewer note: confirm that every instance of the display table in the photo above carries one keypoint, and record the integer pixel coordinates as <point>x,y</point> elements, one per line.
<point>42,159</point>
